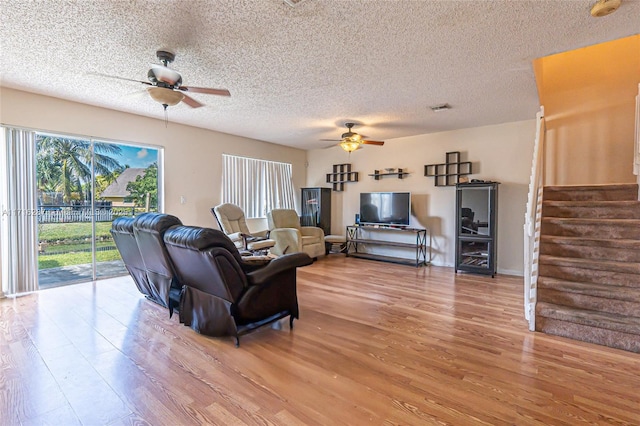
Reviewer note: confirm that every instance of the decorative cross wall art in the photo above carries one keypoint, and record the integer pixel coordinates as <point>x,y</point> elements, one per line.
<point>341,174</point>
<point>449,172</point>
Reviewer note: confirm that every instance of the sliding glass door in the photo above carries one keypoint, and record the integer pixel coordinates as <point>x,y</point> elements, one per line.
<point>129,190</point>
<point>82,186</point>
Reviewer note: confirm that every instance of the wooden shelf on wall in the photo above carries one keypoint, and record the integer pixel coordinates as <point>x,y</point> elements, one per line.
<point>341,174</point>
<point>378,174</point>
<point>449,172</point>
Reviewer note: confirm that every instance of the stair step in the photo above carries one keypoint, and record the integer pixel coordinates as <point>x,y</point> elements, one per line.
<point>601,265</point>
<point>622,293</point>
<point>621,323</point>
<point>592,209</point>
<point>595,276</point>
<point>588,285</point>
<point>591,228</point>
<point>615,192</point>
<point>591,303</point>
<point>622,250</point>
<point>585,333</point>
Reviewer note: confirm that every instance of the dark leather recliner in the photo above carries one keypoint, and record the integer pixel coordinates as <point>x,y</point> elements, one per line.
<point>149,230</point>
<point>222,294</point>
<point>125,240</point>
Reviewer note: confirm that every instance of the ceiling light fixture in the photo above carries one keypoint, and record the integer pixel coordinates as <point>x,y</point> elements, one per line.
<point>604,7</point>
<point>349,145</point>
<point>166,97</point>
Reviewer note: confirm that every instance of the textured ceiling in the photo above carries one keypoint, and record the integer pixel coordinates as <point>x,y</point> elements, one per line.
<point>296,74</point>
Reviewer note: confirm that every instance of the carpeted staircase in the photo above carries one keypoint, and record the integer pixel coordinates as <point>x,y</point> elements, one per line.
<point>589,267</point>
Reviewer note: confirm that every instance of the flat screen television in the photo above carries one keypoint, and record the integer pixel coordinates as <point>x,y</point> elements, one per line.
<point>385,208</point>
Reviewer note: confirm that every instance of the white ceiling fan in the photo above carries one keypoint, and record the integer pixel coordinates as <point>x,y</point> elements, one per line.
<point>165,84</point>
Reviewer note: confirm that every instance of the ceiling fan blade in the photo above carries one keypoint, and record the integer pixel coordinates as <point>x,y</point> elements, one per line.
<point>206,90</point>
<point>120,78</point>
<point>191,102</point>
<point>372,142</point>
<point>137,94</point>
<point>331,140</point>
<point>166,75</point>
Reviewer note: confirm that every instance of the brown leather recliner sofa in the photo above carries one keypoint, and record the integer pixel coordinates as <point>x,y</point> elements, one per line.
<point>222,294</point>
<point>122,232</point>
<point>149,230</point>
<point>140,243</point>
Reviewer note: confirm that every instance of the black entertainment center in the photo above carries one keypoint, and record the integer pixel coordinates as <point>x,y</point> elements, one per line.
<point>382,231</point>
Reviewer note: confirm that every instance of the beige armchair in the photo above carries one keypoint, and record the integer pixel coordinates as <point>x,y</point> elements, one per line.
<point>232,222</point>
<point>290,237</point>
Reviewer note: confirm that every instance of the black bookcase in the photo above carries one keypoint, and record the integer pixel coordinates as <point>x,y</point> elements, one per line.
<point>316,208</point>
<point>477,227</point>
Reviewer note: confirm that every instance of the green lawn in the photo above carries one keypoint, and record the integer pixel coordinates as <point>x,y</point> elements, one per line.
<point>69,238</point>
<point>78,258</point>
<point>51,232</point>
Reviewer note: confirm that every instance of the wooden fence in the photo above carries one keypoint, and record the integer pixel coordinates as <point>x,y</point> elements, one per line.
<point>69,214</point>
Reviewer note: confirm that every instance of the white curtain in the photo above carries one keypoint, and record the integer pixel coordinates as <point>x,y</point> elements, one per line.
<point>18,225</point>
<point>278,185</point>
<point>257,186</point>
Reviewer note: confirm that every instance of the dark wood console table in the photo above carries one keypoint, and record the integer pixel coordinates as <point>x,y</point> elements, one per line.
<point>402,239</point>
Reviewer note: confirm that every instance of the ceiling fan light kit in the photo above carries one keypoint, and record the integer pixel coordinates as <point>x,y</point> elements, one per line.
<point>165,97</point>
<point>349,145</point>
<point>351,140</point>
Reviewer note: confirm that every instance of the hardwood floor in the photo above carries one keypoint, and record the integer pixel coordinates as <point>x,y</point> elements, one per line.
<point>376,343</point>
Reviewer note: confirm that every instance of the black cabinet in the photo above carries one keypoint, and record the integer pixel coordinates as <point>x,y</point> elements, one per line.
<point>477,227</point>
<point>316,208</point>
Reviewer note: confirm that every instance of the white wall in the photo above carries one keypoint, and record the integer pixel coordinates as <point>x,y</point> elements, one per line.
<point>193,157</point>
<point>499,153</point>
<point>193,160</point>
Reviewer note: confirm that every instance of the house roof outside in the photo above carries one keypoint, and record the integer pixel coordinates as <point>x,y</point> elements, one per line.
<point>118,188</point>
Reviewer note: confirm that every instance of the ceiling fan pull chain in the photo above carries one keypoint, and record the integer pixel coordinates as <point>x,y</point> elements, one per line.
<point>166,115</point>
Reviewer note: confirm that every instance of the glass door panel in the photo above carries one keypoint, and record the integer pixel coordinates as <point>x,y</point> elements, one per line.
<point>63,170</point>
<point>83,186</point>
<point>130,189</point>
<point>475,210</point>
<point>475,253</point>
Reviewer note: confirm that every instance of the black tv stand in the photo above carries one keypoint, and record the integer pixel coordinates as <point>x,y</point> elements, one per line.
<point>362,238</point>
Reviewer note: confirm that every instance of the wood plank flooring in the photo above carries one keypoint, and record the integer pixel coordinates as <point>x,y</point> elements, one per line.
<point>376,343</point>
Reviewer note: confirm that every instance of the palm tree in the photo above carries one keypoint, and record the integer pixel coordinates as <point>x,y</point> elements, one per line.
<point>72,157</point>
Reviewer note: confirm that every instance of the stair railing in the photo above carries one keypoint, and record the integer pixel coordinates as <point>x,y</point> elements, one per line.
<point>636,150</point>
<point>532,221</point>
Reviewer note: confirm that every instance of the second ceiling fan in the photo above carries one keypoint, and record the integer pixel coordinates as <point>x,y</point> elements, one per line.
<point>351,140</point>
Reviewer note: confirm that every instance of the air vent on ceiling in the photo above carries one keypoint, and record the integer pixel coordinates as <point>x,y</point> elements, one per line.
<point>294,3</point>
<point>441,107</point>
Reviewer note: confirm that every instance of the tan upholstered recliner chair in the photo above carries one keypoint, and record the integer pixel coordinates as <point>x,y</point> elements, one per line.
<point>290,237</point>
<point>232,222</point>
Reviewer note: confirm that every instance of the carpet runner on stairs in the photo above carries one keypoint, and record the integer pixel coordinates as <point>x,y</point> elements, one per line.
<point>589,265</point>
